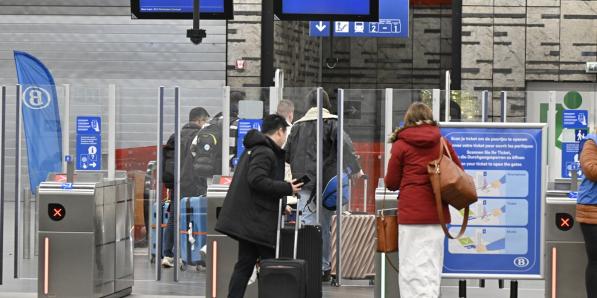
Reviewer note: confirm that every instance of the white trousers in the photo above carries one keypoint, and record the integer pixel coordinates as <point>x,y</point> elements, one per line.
<point>421,259</point>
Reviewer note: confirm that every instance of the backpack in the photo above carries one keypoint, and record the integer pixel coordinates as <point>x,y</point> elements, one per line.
<point>330,193</point>
<point>206,150</point>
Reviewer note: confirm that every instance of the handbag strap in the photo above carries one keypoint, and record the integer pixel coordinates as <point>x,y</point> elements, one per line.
<point>438,199</point>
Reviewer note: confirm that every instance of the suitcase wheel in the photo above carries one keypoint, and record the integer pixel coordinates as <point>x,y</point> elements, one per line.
<point>335,283</point>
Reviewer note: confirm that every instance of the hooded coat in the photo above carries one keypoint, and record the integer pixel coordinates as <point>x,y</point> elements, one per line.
<point>301,148</point>
<point>251,207</point>
<point>414,148</point>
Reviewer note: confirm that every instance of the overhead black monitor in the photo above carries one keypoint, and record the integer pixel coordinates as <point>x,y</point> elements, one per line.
<point>327,10</point>
<point>181,9</point>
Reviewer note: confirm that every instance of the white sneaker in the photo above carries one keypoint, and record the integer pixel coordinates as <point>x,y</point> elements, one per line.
<point>203,252</point>
<point>253,278</point>
<point>168,262</point>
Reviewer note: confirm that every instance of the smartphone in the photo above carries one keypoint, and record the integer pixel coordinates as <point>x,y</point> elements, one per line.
<point>304,180</point>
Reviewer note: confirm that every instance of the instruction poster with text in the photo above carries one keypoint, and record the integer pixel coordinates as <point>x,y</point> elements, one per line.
<point>503,236</point>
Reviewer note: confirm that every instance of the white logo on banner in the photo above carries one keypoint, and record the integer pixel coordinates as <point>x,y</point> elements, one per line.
<point>521,262</point>
<point>36,98</point>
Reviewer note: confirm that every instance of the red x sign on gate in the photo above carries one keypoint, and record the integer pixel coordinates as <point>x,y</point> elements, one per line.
<point>564,221</point>
<point>56,211</point>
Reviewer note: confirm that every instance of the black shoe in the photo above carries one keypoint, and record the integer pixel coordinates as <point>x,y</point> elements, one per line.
<point>326,276</point>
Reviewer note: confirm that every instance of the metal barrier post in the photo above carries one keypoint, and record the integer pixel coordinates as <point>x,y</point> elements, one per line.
<point>2,146</point>
<point>319,178</point>
<point>176,195</point>
<point>484,106</point>
<point>274,99</point>
<point>388,126</point>
<point>65,126</point>
<point>18,108</point>
<point>111,131</point>
<point>339,197</point>
<point>504,106</point>
<point>26,194</point>
<point>436,104</point>
<point>159,191</point>
<point>448,97</point>
<point>226,132</point>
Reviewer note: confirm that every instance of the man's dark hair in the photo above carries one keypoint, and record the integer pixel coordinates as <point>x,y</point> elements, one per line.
<point>198,113</point>
<point>271,123</point>
<point>325,102</point>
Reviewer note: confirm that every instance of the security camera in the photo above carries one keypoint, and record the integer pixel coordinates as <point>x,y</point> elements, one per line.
<point>196,35</point>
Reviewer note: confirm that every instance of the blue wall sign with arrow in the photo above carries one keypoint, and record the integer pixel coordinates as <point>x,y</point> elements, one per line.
<point>393,22</point>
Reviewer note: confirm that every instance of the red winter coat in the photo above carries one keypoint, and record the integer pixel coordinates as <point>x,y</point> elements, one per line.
<point>407,171</point>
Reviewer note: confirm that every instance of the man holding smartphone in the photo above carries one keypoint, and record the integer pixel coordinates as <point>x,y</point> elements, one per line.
<point>250,210</point>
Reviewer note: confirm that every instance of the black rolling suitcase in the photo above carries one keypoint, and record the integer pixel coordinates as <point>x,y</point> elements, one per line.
<point>282,277</point>
<point>308,249</point>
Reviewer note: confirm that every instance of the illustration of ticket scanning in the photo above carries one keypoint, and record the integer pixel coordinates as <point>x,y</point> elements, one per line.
<point>501,183</point>
<point>502,241</point>
<point>494,212</point>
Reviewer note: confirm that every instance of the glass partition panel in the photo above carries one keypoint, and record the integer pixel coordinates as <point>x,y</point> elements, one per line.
<point>562,141</point>
<point>201,125</point>
<point>465,106</point>
<point>300,97</point>
<point>364,125</point>
<point>248,106</point>
<point>136,135</point>
<point>403,98</point>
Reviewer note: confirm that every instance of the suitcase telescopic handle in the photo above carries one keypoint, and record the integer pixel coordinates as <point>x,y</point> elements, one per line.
<point>365,184</point>
<point>296,229</point>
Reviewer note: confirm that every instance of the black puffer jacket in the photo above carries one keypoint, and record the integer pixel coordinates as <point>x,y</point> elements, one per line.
<point>251,207</point>
<point>301,148</point>
<point>191,185</point>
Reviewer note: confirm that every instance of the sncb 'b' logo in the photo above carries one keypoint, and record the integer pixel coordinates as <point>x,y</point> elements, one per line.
<point>521,262</point>
<point>36,98</point>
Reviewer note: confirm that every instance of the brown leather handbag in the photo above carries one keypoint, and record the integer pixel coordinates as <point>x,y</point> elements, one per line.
<point>451,185</point>
<point>387,230</point>
<point>386,227</point>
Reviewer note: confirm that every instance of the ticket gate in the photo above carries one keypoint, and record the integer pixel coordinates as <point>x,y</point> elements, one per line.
<point>222,251</point>
<point>85,243</point>
<point>565,254</point>
<point>386,278</point>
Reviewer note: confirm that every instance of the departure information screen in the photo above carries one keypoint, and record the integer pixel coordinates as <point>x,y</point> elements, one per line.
<point>180,9</point>
<point>327,9</point>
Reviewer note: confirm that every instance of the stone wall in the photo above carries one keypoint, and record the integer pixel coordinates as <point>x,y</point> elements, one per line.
<point>244,43</point>
<point>506,43</point>
<point>417,62</point>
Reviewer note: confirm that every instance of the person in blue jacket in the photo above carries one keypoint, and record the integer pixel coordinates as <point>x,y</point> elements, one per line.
<point>586,209</point>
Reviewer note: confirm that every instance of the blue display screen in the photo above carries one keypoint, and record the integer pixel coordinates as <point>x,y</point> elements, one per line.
<point>180,6</point>
<point>326,7</point>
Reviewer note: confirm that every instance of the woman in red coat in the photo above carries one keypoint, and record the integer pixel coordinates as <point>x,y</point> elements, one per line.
<point>421,242</point>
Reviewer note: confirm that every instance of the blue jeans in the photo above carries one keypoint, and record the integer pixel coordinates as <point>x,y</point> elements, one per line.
<point>309,217</point>
<point>169,235</point>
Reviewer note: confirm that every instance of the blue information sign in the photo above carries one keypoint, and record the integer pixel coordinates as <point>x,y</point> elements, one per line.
<point>89,143</point>
<point>244,125</point>
<point>170,6</point>
<point>504,233</point>
<point>393,22</point>
<point>571,160</point>
<point>575,119</point>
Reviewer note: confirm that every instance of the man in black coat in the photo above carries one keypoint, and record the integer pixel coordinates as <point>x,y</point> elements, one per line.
<point>250,211</point>
<point>191,185</point>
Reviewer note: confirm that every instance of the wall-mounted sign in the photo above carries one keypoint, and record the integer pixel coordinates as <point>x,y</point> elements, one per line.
<point>341,10</point>
<point>393,22</point>
<point>89,143</point>
<point>181,9</point>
